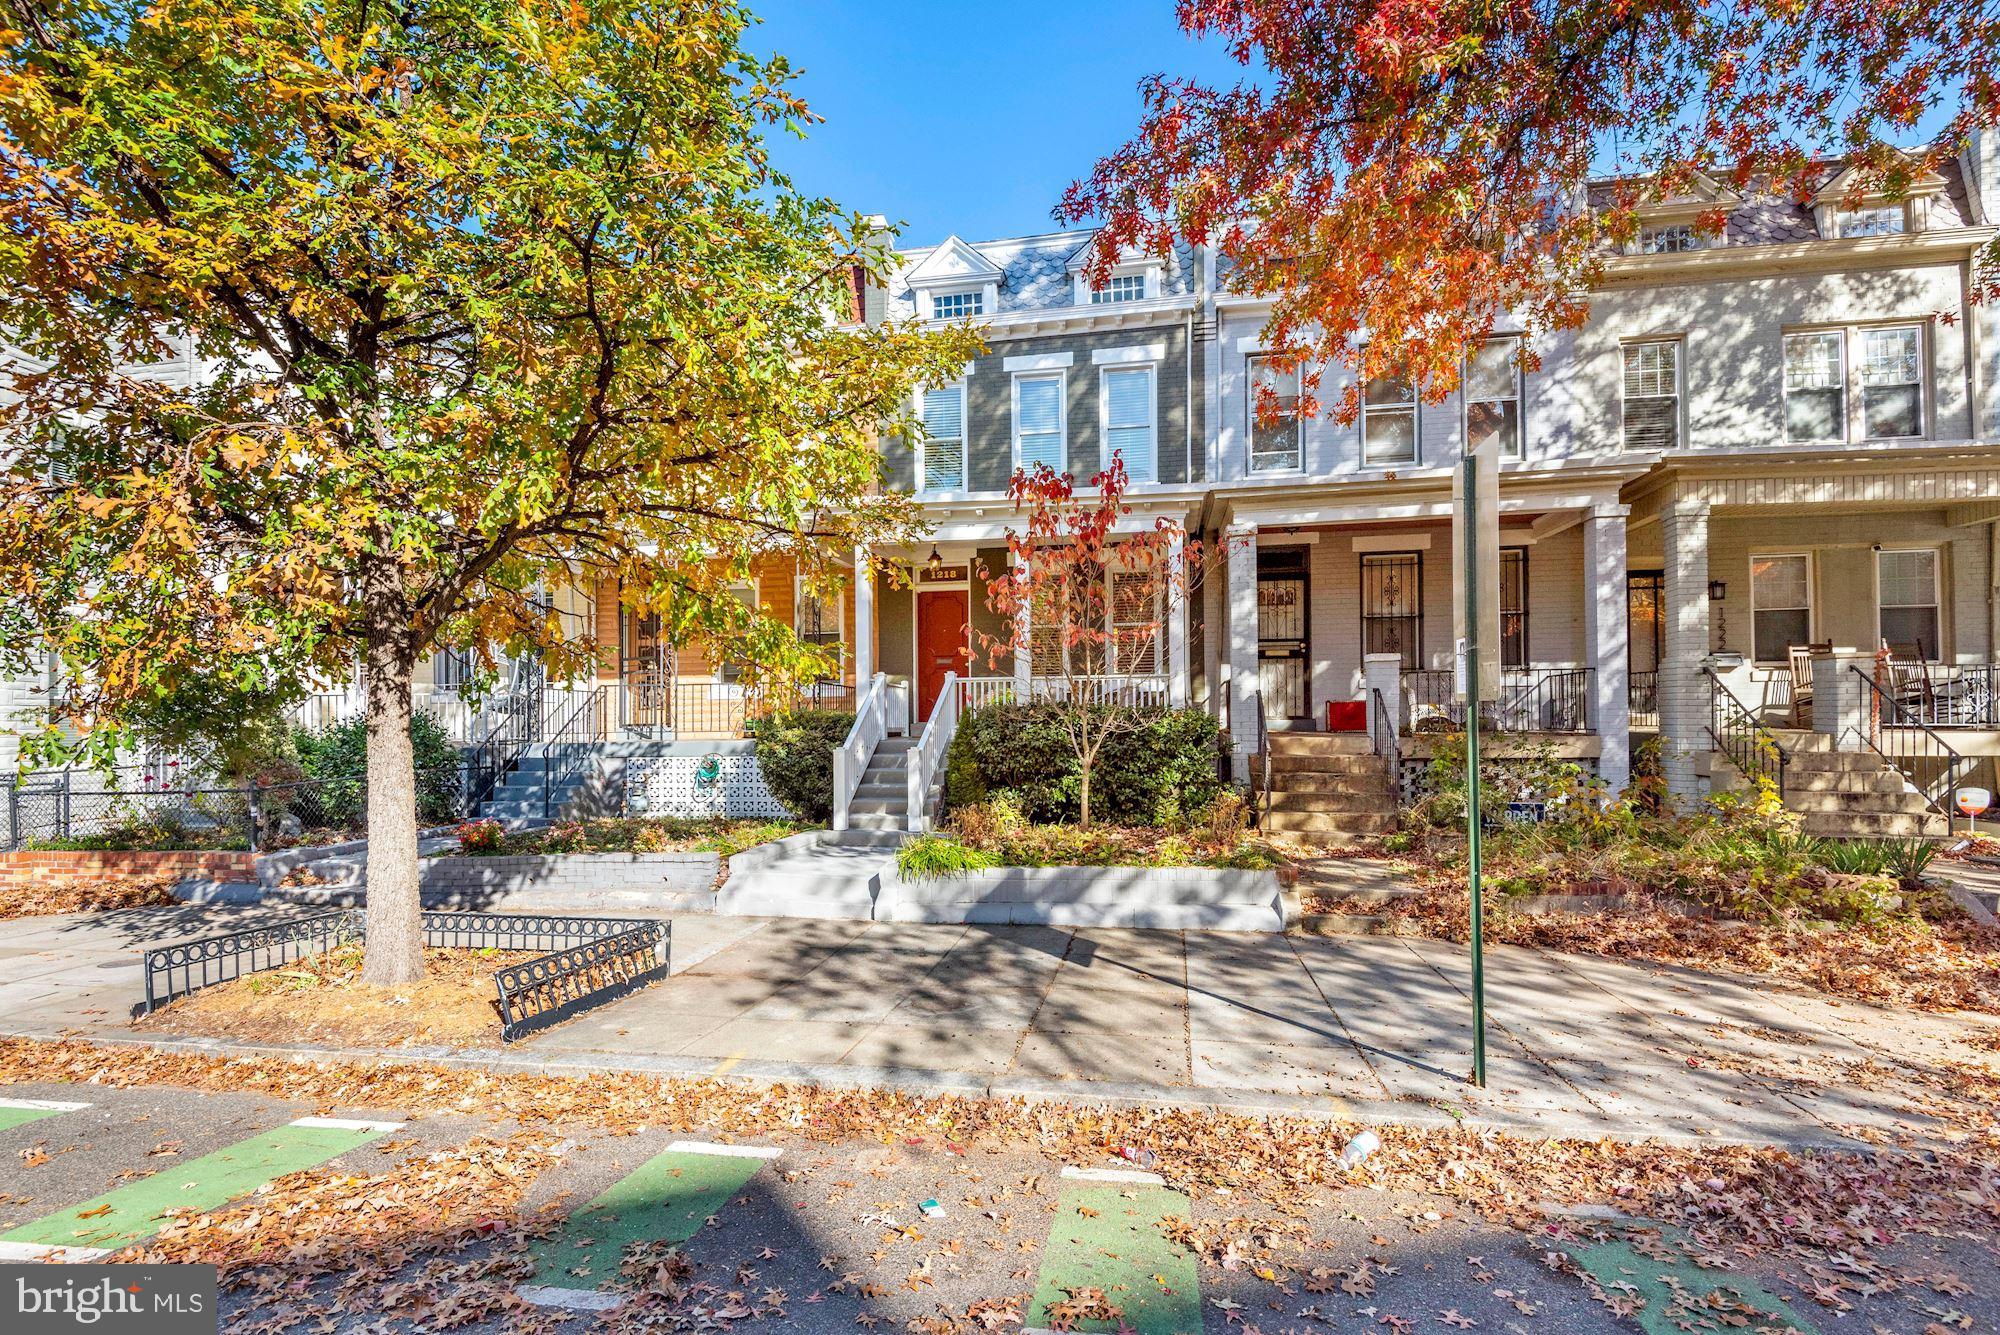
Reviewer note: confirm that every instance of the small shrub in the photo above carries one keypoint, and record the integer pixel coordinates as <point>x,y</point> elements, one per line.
<point>795,753</point>
<point>1908,859</point>
<point>335,761</point>
<point>1160,773</point>
<point>934,856</point>
<point>481,837</point>
<point>565,836</point>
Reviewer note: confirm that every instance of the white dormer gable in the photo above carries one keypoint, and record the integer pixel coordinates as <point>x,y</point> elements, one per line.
<point>955,271</point>
<point>1670,222</point>
<point>1850,193</point>
<point>1148,270</point>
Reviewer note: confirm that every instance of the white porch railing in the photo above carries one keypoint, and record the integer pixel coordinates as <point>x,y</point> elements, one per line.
<point>850,758</point>
<point>929,754</point>
<point>1153,690</point>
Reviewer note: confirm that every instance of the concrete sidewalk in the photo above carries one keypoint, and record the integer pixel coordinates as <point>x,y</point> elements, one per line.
<point>1370,1027</point>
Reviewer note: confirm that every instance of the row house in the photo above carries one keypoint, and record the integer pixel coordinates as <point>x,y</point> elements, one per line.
<point>1768,457</point>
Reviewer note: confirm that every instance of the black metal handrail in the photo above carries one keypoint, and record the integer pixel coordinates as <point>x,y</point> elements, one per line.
<point>1749,745</point>
<point>1382,738</point>
<point>1532,699</point>
<point>569,743</point>
<point>1926,761</point>
<point>1263,761</point>
<point>517,725</point>
<point>1951,695</point>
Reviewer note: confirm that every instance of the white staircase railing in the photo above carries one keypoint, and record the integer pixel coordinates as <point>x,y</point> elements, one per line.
<point>850,758</point>
<point>928,754</point>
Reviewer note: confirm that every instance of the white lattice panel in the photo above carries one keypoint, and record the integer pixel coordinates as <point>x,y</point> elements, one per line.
<point>675,786</point>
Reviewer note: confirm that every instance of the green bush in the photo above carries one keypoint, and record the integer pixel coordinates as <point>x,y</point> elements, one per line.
<point>934,856</point>
<point>1161,773</point>
<point>336,759</point>
<point>795,752</point>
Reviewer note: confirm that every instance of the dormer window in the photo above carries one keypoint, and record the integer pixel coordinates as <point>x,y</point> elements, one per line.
<point>1883,220</point>
<point>1120,287</point>
<point>1670,239</point>
<point>957,305</point>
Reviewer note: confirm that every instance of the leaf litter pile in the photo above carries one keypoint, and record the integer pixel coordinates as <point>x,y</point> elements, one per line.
<point>55,892</point>
<point>440,1235</point>
<point>321,999</point>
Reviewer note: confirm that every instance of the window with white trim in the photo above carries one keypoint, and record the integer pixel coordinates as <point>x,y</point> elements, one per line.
<point>1882,220</point>
<point>1120,287</point>
<point>1039,419</point>
<point>1653,395</point>
<point>1389,421</point>
<point>816,619</point>
<point>1815,387</point>
<point>455,668</point>
<point>1493,396</point>
<point>944,439</point>
<point>1906,591</point>
<point>1274,443</point>
<point>1670,239</point>
<point>731,670</point>
<point>1780,604</point>
<point>1130,430</point>
<point>1135,623</point>
<point>1892,389</point>
<point>957,305</point>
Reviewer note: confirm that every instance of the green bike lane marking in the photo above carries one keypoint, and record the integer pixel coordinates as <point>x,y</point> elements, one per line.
<point>1118,1247</point>
<point>665,1199</point>
<point>1675,1295</point>
<point>20,1112</point>
<point>134,1211</point>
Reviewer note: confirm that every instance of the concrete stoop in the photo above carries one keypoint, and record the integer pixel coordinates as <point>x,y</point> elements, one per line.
<point>882,801</point>
<point>1328,789</point>
<point>1843,794</point>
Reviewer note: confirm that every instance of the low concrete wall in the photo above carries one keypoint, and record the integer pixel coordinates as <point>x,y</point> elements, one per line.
<point>683,881</point>
<point>1185,898</point>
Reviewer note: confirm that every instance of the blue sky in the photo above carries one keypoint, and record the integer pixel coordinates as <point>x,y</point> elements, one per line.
<point>969,118</point>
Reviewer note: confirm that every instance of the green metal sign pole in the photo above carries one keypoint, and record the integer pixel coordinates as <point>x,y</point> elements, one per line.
<point>1472,817</point>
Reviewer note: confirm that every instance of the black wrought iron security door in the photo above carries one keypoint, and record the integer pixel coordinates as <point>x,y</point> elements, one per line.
<point>1282,636</point>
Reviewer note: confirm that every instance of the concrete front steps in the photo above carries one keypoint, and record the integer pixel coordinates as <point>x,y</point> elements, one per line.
<point>820,874</point>
<point>1328,789</point>
<point>1842,794</point>
<point>519,796</point>
<point>882,802</point>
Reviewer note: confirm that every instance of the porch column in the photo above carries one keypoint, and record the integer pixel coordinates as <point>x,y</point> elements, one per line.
<point>1240,547</point>
<point>1841,698</point>
<point>864,620</point>
<point>1024,632</point>
<point>1382,674</point>
<point>1177,615</point>
<point>1605,638</point>
<point>1684,696</point>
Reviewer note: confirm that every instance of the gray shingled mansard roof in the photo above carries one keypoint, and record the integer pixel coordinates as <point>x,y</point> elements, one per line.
<point>1035,271</point>
<point>1764,218</point>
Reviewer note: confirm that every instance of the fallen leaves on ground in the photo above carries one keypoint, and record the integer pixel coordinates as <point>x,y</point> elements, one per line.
<point>95,893</point>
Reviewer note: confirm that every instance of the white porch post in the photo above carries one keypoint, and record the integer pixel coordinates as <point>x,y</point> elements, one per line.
<point>1684,696</point>
<point>1240,546</point>
<point>864,619</point>
<point>1840,698</point>
<point>1177,614</point>
<point>1605,637</point>
<point>1382,674</point>
<point>1024,630</point>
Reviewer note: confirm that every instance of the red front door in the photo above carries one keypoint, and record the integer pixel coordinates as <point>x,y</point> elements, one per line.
<point>941,644</point>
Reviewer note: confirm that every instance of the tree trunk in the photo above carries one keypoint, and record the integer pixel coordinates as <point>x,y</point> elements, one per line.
<point>395,948</point>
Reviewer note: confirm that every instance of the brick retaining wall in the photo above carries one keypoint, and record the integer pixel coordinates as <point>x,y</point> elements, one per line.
<point>29,866</point>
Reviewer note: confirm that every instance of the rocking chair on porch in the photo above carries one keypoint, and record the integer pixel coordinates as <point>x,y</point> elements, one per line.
<point>1801,659</point>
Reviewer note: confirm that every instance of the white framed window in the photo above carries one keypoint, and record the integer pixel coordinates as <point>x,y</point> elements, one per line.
<point>957,305</point>
<point>1670,239</point>
<point>1120,287</point>
<point>1780,604</point>
<point>1906,601</point>
<point>1881,220</point>
<point>1493,397</point>
<point>1040,422</point>
<point>1135,627</point>
<point>1815,386</point>
<point>1892,386</point>
<point>730,670</point>
<point>1389,421</point>
<point>1274,444</point>
<point>816,619</point>
<point>1653,395</point>
<point>1129,408</point>
<point>455,668</point>
<point>943,450</point>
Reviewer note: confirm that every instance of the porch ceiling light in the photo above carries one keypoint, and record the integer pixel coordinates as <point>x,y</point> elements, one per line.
<point>1717,590</point>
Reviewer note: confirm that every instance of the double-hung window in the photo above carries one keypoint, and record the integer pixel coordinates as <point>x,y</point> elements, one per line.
<point>1892,397</point>
<point>1135,623</point>
<point>1389,421</point>
<point>1815,387</point>
<point>957,305</point>
<point>1653,395</point>
<point>1906,591</point>
<point>1513,607</point>
<point>1274,437</point>
<point>1130,431</point>
<point>1039,414</point>
<point>816,619</point>
<point>944,439</point>
<point>1119,287</point>
<point>455,669</point>
<point>1493,397</point>
<point>1780,605</point>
